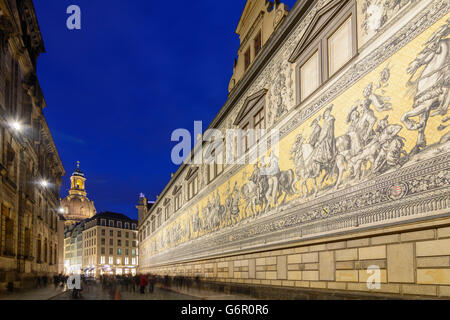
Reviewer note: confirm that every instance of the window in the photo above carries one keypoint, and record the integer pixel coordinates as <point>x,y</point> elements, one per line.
<point>310,76</point>
<point>325,48</point>
<point>111,243</point>
<point>110,260</point>
<point>119,252</point>
<point>245,137</point>
<point>103,232</point>
<point>111,223</point>
<point>259,123</point>
<point>127,243</point>
<point>340,47</point>
<point>133,261</point>
<point>103,241</point>
<point>216,168</point>
<point>103,251</point>
<point>167,212</point>
<point>111,233</point>
<point>126,261</point>
<point>119,233</point>
<point>119,242</point>
<point>177,201</point>
<point>9,238</point>
<point>133,226</point>
<point>159,220</point>
<point>258,43</point>
<point>111,251</point>
<point>193,187</point>
<point>127,225</point>
<point>119,224</point>
<point>103,222</point>
<point>127,235</point>
<point>102,260</point>
<point>127,252</point>
<point>133,252</point>
<point>118,261</point>
<point>247,58</point>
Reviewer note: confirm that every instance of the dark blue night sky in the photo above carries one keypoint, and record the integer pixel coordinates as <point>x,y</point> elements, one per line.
<point>117,88</point>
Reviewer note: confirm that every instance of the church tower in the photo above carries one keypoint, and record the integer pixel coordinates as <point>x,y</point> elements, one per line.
<point>76,206</point>
<point>78,182</point>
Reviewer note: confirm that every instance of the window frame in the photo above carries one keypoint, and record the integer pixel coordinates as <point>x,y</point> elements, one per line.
<point>247,58</point>
<point>257,49</point>
<point>195,186</point>
<point>320,45</point>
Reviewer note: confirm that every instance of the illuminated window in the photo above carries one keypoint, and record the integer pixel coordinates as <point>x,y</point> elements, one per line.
<point>110,260</point>
<point>119,252</point>
<point>118,261</point>
<point>126,261</point>
<point>102,260</point>
<point>133,261</point>
<point>333,46</point>
<point>340,47</point>
<point>310,76</point>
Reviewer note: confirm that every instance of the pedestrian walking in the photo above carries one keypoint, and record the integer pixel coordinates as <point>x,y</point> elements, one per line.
<point>143,283</point>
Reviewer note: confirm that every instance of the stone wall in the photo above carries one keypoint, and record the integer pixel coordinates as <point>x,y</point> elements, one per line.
<point>414,261</point>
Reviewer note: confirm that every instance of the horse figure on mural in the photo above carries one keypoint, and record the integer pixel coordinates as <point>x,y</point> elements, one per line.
<point>232,205</point>
<point>315,156</point>
<point>431,88</point>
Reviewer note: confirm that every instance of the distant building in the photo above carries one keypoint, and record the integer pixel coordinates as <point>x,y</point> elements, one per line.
<point>76,206</point>
<point>110,245</point>
<point>73,248</point>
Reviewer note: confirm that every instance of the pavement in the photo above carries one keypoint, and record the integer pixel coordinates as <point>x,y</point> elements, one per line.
<point>46,293</point>
<point>95,292</point>
<point>210,295</point>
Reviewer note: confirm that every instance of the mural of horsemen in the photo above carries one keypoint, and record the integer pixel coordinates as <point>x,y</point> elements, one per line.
<point>374,129</point>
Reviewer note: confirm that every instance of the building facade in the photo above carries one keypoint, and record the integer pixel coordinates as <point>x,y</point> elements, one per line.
<point>358,93</point>
<point>76,207</point>
<point>30,166</point>
<point>73,248</point>
<point>106,244</point>
<point>110,245</point>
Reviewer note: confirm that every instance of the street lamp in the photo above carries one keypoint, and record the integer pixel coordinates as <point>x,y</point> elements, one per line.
<point>44,183</point>
<point>16,126</point>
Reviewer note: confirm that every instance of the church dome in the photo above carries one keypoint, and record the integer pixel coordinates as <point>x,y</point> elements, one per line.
<point>77,206</point>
